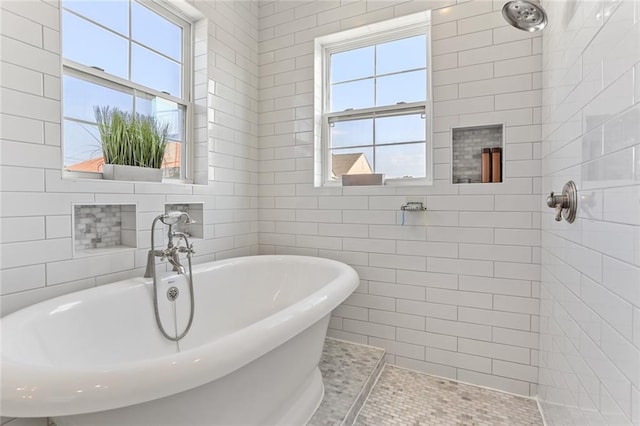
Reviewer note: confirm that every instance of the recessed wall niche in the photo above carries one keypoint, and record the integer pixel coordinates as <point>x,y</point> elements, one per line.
<point>467,144</point>
<point>103,227</point>
<point>195,211</point>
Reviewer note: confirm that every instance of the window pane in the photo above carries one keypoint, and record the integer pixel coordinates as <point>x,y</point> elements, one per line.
<point>153,30</point>
<point>357,94</point>
<point>401,128</point>
<point>397,161</point>
<point>80,97</point>
<point>87,43</point>
<point>166,112</point>
<point>81,145</point>
<point>111,14</point>
<point>353,64</point>
<point>172,160</point>
<point>404,87</point>
<point>351,133</point>
<point>401,55</point>
<point>152,70</point>
<point>351,161</point>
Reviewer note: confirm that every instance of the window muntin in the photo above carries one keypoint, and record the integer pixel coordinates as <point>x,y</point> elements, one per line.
<point>80,95</point>
<point>392,57</point>
<point>393,143</point>
<point>155,71</point>
<point>128,55</point>
<point>379,75</point>
<point>80,39</point>
<point>377,107</point>
<point>110,14</point>
<point>165,35</point>
<point>352,64</point>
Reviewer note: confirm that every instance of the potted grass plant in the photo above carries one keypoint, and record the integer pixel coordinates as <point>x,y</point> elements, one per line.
<point>133,145</point>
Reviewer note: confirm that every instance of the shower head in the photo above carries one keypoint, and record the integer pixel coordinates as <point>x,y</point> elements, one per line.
<point>525,15</point>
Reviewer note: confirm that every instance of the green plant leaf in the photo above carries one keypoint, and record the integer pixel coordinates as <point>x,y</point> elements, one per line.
<point>131,139</point>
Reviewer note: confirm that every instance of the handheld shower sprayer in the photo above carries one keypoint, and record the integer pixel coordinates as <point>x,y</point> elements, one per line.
<point>171,255</point>
<point>173,217</point>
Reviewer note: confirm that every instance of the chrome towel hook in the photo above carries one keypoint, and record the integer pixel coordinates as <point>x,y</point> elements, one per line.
<point>566,205</point>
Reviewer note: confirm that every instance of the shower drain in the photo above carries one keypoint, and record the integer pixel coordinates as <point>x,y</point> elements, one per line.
<point>172,293</point>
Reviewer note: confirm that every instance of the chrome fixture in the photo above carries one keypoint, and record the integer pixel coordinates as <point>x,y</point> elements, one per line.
<point>525,15</point>
<point>173,293</point>
<point>566,205</point>
<point>171,254</point>
<point>413,206</point>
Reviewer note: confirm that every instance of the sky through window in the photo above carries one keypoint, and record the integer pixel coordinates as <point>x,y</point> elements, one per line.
<point>384,74</point>
<point>129,41</point>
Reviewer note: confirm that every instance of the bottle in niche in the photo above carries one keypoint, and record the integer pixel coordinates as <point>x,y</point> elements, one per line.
<point>486,165</point>
<point>496,165</point>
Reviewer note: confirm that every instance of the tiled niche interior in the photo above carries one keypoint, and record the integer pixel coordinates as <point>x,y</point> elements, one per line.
<point>103,226</point>
<point>195,211</point>
<point>467,144</point>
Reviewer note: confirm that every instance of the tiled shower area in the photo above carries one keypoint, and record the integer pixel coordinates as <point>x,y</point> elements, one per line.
<point>480,309</point>
<point>361,390</point>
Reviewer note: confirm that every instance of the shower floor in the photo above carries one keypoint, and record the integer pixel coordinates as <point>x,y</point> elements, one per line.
<point>405,397</point>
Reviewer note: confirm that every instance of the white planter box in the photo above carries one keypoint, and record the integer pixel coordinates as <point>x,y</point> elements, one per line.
<point>131,173</point>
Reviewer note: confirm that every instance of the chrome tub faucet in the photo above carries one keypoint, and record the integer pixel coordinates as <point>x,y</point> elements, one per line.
<point>171,252</point>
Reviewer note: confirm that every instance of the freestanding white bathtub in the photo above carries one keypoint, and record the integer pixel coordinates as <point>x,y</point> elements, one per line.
<point>96,357</point>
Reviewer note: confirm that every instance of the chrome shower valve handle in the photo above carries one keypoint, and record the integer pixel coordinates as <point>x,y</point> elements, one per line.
<point>558,202</point>
<point>565,204</point>
<point>187,249</point>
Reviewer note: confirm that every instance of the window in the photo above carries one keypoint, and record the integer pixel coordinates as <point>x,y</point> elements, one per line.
<point>374,102</point>
<point>126,54</point>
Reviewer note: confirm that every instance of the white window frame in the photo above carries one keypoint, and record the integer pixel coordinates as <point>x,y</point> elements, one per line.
<point>391,30</point>
<point>99,77</point>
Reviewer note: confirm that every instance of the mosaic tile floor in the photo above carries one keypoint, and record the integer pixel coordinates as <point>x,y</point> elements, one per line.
<point>349,371</point>
<point>403,397</point>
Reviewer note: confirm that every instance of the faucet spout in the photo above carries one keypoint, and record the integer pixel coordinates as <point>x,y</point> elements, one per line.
<point>174,260</point>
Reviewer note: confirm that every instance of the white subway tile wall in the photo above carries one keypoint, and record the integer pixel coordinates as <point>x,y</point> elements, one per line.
<point>36,258</point>
<point>454,291</point>
<point>589,355</point>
